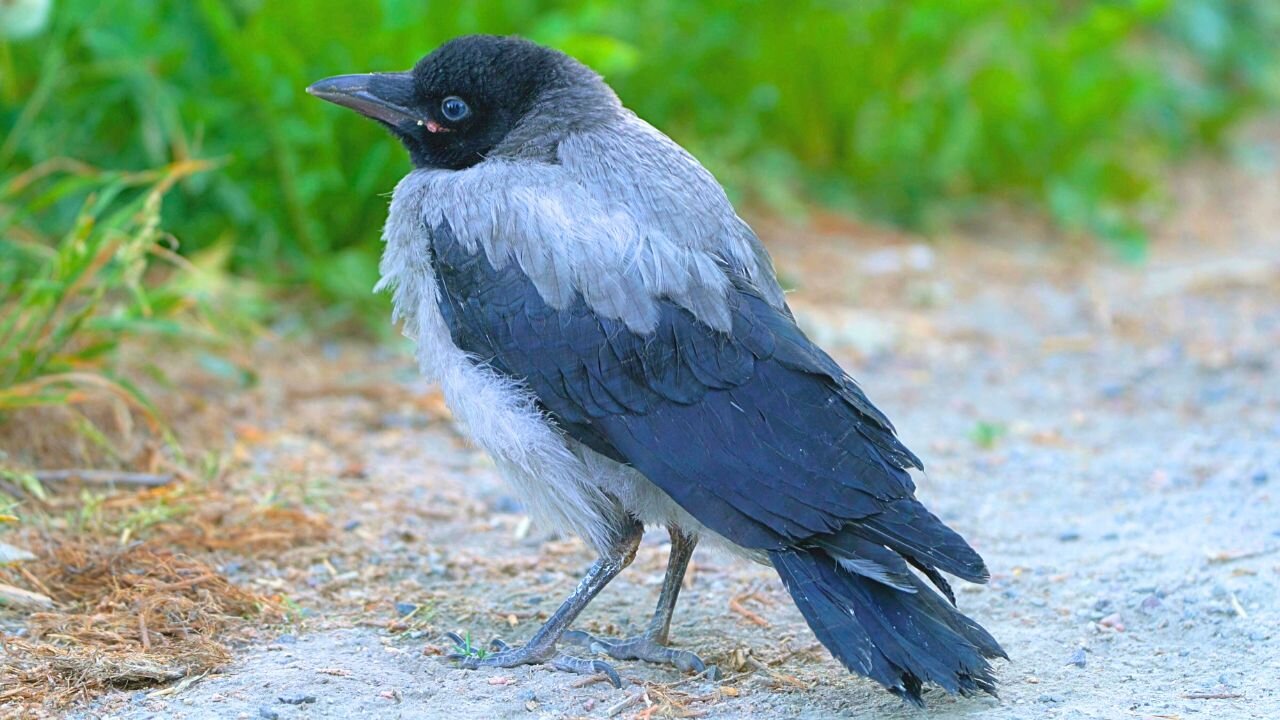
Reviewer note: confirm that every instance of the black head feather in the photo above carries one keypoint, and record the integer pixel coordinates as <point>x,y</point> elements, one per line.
<point>490,83</point>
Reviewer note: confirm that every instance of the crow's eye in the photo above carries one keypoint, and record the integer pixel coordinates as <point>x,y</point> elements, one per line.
<point>454,108</point>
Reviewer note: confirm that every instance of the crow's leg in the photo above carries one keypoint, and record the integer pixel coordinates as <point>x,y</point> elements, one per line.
<point>650,645</point>
<point>541,648</point>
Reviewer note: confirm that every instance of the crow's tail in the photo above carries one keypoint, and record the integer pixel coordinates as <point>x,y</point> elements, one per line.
<point>899,639</point>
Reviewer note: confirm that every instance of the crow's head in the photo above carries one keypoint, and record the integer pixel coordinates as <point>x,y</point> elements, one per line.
<point>478,96</point>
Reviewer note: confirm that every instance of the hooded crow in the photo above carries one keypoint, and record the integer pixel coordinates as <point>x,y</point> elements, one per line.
<point>602,323</point>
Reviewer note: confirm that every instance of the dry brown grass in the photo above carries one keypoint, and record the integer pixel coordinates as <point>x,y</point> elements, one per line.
<point>56,437</point>
<point>237,526</point>
<point>126,617</point>
<point>132,571</point>
<point>145,613</point>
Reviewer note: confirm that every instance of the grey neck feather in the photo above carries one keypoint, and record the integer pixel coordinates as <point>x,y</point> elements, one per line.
<point>578,101</point>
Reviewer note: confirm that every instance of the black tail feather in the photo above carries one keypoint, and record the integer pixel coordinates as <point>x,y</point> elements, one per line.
<point>898,639</point>
<point>935,577</point>
<point>909,528</point>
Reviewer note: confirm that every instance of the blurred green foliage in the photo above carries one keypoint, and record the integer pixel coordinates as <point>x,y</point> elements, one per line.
<point>910,111</point>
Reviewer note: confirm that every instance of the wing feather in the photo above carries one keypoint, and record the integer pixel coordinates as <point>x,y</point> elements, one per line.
<point>755,431</point>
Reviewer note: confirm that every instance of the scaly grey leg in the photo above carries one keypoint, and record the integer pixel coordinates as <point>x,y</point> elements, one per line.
<point>541,648</point>
<point>650,646</point>
<point>677,563</point>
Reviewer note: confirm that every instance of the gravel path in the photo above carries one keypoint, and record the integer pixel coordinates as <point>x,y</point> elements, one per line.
<point>1107,436</point>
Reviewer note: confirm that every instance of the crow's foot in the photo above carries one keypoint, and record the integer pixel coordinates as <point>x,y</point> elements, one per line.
<point>640,647</point>
<point>500,654</point>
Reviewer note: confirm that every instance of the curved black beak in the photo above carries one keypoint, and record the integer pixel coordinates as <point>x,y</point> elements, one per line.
<point>382,96</point>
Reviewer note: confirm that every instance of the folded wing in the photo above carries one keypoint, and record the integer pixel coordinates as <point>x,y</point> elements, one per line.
<point>756,432</point>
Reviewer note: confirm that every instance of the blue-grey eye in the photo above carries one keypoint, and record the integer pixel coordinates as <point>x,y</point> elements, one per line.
<point>454,108</point>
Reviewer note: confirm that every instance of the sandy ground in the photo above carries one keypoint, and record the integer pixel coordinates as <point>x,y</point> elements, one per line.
<point>1107,436</point>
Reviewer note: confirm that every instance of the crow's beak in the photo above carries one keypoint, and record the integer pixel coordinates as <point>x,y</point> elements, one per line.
<point>382,96</point>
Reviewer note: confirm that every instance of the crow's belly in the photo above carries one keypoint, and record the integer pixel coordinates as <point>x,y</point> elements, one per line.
<point>563,484</point>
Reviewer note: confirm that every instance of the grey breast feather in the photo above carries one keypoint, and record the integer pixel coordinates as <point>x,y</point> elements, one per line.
<point>621,219</point>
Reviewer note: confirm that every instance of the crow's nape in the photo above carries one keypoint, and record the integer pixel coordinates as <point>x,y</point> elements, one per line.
<point>899,639</point>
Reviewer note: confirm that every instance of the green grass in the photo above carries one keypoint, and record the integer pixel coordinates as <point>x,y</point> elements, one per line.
<point>468,649</point>
<point>986,434</point>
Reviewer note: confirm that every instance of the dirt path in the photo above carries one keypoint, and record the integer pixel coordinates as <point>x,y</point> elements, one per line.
<point>1108,437</point>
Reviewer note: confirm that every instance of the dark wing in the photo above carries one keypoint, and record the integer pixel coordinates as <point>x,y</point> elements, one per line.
<point>757,433</point>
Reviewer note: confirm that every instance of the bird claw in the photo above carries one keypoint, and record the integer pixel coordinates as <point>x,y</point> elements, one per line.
<point>506,656</point>
<point>639,648</point>
<point>584,666</point>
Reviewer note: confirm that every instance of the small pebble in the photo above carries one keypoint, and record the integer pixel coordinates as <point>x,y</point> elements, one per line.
<point>287,639</point>
<point>268,713</point>
<point>528,695</point>
<point>296,699</point>
<point>405,608</point>
<point>1077,658</point>
<point>1113,621</point>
